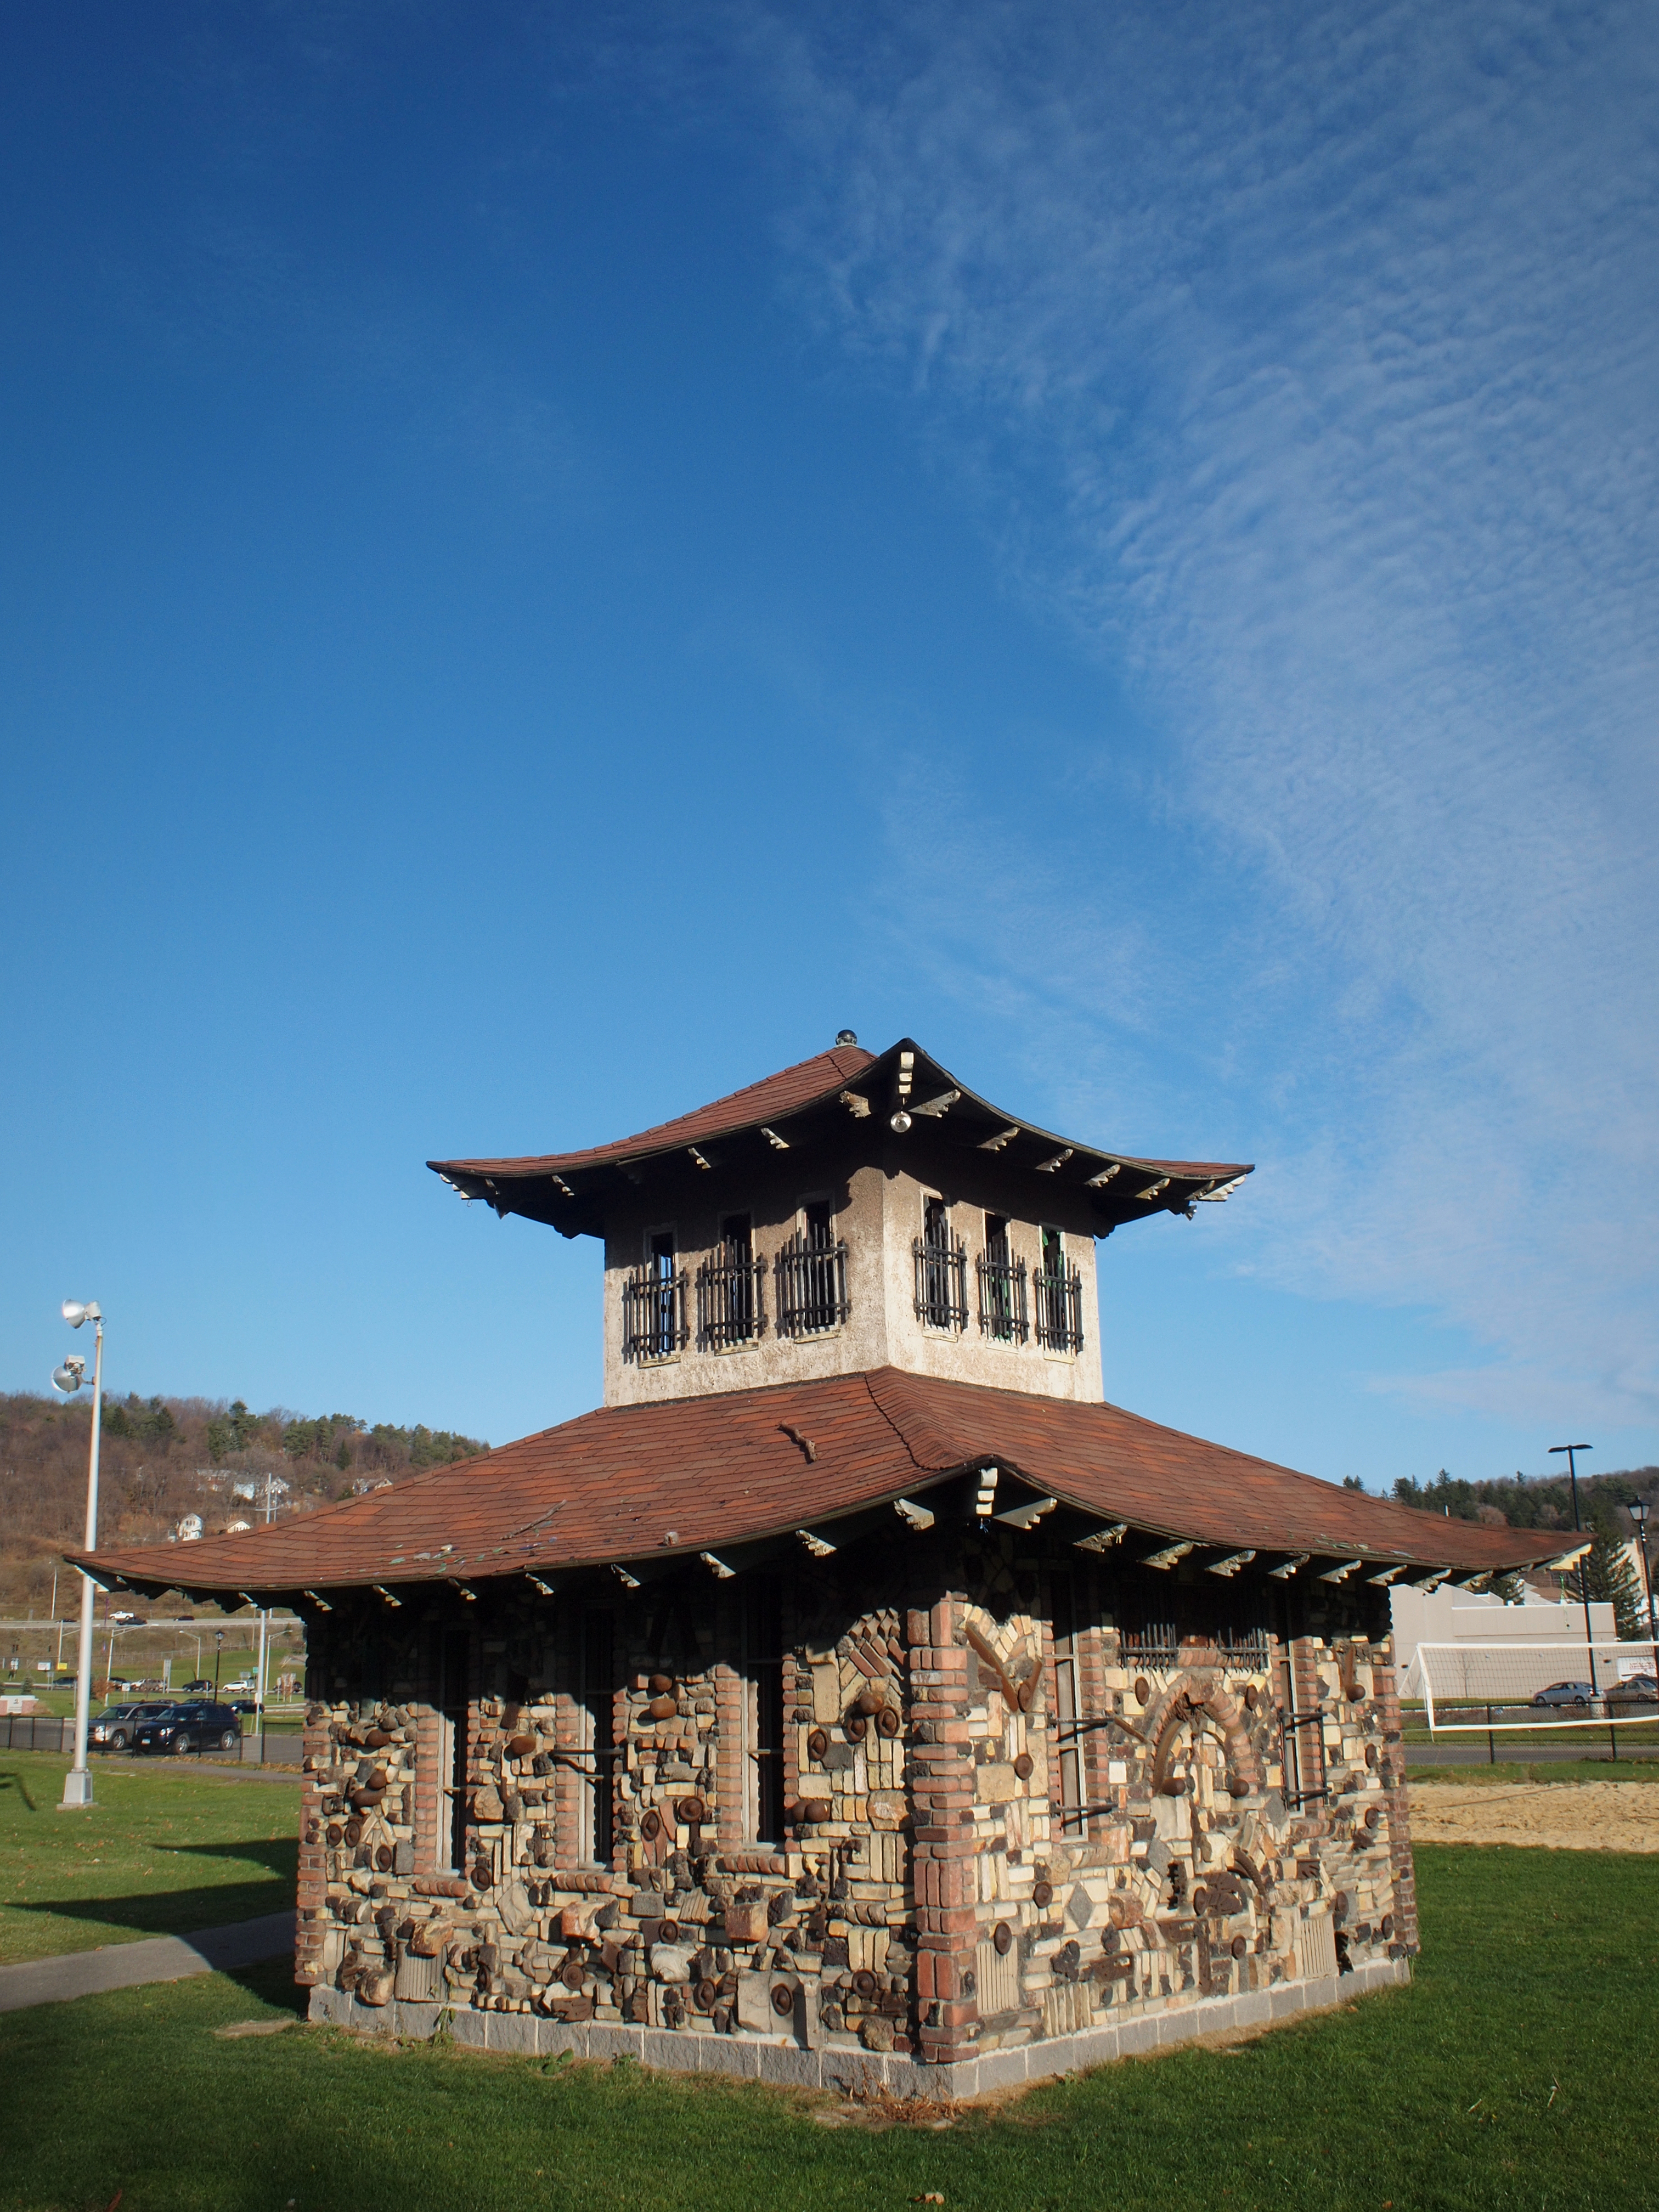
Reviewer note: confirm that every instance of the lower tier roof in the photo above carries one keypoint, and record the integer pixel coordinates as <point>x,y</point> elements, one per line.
<point>653,1484</point>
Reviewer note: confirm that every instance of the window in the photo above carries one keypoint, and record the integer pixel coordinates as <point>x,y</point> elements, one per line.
<point>812,1272</point>
<point>653,1304</point>
<point>941,1270</point>
<point>1067,1772</point>
<point>1059,1297</point>
<point>599,1691</point>
<point>1002,1314</point>
<point>731,1289</point>
<point>763,1657</point>
<point>454,1651</point>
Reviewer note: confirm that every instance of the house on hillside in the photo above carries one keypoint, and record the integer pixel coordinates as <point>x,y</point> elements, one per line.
<point>855,1688</point>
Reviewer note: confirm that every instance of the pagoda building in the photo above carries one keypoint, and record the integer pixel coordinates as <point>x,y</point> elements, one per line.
<point>855,1694</point>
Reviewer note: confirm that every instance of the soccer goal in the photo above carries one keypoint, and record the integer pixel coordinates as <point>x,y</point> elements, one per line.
<point>1472,1688</point>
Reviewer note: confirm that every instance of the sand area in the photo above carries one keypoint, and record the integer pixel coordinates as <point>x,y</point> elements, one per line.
<point>1565,1816</point>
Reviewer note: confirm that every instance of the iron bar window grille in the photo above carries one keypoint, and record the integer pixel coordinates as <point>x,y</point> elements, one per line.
<point>941,1260</point>
<point>1003,1313</point>
<point>731,1297</point>
<point>811,1285</point>
<point>1155,1644</point>
<point>653,1311</point>
<point>1058,1288</point>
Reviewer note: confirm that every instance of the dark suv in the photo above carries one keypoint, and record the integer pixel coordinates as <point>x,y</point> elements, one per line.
<point>113,1730</point>
<point>197,1726</point>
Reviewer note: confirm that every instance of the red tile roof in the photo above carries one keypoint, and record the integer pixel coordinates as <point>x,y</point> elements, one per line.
<point>693,1474</point>
<point>566,1188</point>
<point>808,1083</point>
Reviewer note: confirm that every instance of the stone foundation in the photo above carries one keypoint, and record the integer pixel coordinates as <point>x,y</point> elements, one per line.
<point>786,2065</point>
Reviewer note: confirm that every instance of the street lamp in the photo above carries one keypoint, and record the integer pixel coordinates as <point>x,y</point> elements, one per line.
<point>67,1378</point>
<point>1571,1451</point>
<point>1638,1514</point>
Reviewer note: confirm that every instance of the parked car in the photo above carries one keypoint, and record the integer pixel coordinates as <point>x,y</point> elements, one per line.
<point>243,1706</point>
<point>194,1726</point>
<point>1634,1690</point>
<point>199,1688</point>
<point>112,1730</point>
<point>1567,1694</point>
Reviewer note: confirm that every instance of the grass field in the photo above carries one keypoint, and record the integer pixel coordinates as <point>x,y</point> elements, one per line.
<point>157,1853</point>
<point>1483,1775</point>
<point>1514,2072</point>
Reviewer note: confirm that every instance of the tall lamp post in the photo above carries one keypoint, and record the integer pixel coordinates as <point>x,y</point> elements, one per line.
<point>1638,1514</point>
<point>67,1378</point>
<point>1571,1451</point>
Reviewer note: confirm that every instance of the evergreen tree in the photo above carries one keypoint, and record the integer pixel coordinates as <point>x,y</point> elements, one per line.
<point>1606,1576</point>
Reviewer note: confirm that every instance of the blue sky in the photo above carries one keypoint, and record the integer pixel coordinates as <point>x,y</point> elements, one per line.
<point>553,558</point>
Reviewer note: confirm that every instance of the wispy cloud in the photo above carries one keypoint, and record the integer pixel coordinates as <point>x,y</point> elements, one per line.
<point>1303,360</point>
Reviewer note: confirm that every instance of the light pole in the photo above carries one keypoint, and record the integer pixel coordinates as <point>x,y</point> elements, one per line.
<point>1571,1450</point>
<point>77,1783</point>
<point>1638,1514</point>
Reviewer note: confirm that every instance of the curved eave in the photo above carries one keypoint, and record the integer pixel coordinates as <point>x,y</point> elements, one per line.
<point>570,1191</point>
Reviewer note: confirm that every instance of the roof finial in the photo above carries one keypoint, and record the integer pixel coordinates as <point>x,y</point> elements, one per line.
<point>847,1037</point>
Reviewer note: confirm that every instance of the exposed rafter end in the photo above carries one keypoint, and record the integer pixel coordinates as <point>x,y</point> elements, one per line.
<point>1053,1166</point>
<point>1283,1572</point>
<point>856,1104</point>
<point>536,1583</point>
<point>1231,1565</point>
<point>1217,1193</point>
<point>1170,1556</point>
<point>628,1580</point>
<point>470,1595</point>
<point>321,1603</point>
<point>1101,1540</point>
<point>561,1186</point>
<point>1474,1581</point>
<point>718,1568</point>
<point>1028,1516</point>
<point>701,1158</point>
<point>1153,1189</point>
<point>913,1515</point>
<point>1430,1582</point>
<point>1382,1581</point>
<point>1099,1181</point>
<point>246,1600</point>
<point>1340,1574</point>
<point>380,1590</point>
<point>816,1545</point>
<point>1003,1137</point>
<point>778,1144</point>
<point>1559,1566</point>
<point>936,1107</point>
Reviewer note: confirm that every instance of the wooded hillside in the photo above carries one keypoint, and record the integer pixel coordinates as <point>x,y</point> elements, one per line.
<point>163,1458</point>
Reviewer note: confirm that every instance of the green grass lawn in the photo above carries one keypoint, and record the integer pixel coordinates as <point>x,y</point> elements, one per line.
<point>157,1853</point>
<point>1515,2072</point>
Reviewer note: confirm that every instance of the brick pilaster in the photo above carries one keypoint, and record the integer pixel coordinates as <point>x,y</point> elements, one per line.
<point>1386,1694</point>
<point>1308,1753</point>
<point>310,1897</point>
<point>941,1787</point>
<point>428,1816</point>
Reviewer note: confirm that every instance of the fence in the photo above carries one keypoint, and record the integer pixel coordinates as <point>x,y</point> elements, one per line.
<point>44,1732</point>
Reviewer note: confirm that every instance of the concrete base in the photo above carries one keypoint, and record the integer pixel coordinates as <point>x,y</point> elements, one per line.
<point>759,2058</point>
<point>77,1789</point>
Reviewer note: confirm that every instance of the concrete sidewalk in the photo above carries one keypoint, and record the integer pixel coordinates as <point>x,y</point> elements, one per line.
<point>157,1958</point>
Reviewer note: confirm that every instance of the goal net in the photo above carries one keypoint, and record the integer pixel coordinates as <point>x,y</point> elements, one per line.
<point>1477,1686</point>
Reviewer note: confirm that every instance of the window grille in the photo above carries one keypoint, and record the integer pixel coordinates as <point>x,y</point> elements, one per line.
<point>1059,1290</point>
<point>654,1310</point>
<point>731,1295</point>
<point>941,1263</point>
<point>1003,1313</point>
<point>812,1284</point>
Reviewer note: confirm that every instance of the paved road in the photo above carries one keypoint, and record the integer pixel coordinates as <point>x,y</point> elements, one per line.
<point>157,1958</point>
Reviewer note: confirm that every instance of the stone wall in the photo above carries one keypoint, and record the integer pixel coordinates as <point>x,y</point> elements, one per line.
<point>1241,1829</point>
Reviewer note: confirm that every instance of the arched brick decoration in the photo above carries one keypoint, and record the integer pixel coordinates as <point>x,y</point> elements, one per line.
<point>1201,1701</point>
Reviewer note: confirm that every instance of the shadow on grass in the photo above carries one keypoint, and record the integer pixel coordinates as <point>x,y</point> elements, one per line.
<point>168,1912</point>
<point>10,1778</point>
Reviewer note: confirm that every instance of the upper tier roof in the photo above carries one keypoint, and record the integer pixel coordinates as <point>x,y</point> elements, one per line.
<point>646,1485</point>
<point>818,1099</point>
